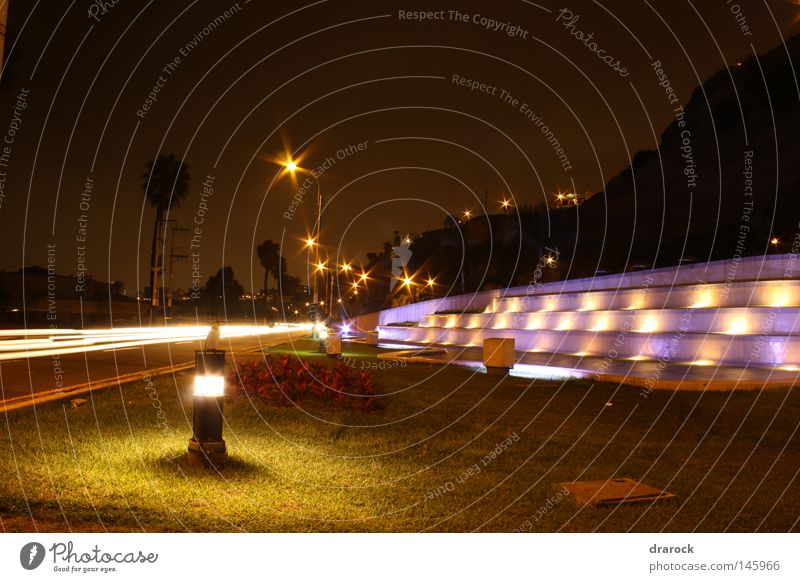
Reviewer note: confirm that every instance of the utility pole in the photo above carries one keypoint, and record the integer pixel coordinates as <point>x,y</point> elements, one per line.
<point>175,255</point>
<point>155,293</point>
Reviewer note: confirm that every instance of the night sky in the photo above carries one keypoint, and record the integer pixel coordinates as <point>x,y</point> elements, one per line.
<point>445,108</point>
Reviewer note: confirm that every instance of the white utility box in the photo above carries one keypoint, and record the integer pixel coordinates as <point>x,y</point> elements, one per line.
<point>333,346</point>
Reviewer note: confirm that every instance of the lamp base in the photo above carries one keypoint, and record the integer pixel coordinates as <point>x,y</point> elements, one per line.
<point>206,454</point>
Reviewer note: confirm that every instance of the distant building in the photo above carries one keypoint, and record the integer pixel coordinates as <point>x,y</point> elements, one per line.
<point>37,297</point>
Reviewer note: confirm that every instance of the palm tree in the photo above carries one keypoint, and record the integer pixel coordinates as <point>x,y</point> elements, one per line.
<point>270,258</point>
<point>165,184</point>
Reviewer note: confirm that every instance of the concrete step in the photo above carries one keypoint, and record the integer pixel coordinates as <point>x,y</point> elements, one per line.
<point>695,348</point>
<point>769,293</point>
<point>743,312</point>
<point>725,320</point>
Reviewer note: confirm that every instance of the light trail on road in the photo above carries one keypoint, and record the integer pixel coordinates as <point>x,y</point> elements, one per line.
<point>51,342</point>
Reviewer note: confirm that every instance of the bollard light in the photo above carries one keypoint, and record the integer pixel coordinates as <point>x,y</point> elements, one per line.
<point>206,447</point>
<point>316,329</point>
<point>322,336</point>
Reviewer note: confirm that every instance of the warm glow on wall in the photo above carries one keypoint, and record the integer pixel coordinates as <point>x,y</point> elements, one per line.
<point>702,363</point>
<point>737,326</point>
<point>601,324</point>
<point>636,303</point>
<point>703,298</point>
<point>549,304</point>
<point>534,322</point>
<point>649,325</point>
<point>452,320</point>
<point>589,304</point>
<point>500,322</point>
<point>565,323</point>
<point>779,297</point>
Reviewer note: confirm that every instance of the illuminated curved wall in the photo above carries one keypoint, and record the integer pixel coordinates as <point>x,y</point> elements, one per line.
<point>702,314</point>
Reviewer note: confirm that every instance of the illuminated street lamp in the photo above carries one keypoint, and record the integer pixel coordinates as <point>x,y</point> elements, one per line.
<point>206,447</point>
<point>292,167</point>
<point>467,214</point>
<point>775,241</point>
<point>409,283</point>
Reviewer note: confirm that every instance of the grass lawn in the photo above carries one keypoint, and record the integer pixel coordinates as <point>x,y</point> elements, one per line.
<point>425,462</point>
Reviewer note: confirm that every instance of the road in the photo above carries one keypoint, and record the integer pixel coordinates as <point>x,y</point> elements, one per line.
<point>47,365</point>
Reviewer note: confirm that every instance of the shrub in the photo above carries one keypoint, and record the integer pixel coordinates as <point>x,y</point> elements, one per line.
<point>284,380</point>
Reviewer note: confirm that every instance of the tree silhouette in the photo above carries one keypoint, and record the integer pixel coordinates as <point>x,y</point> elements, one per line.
<point>165,184</point>
<point>223,291</point>
<point>270,258</point>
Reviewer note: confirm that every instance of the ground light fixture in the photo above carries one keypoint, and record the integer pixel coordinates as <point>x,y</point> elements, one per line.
<point>322,336</point>
<point>206,447</point>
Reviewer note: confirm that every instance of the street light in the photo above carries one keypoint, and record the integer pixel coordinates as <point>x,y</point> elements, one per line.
<point>292,167</point>
<point>207,447</point>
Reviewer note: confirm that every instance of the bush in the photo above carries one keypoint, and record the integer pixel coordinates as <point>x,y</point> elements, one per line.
<point>286,380</point>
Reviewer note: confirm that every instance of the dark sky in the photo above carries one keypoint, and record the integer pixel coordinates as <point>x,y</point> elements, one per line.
<point>316,78</point>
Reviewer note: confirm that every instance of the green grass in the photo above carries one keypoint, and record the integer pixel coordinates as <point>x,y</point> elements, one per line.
<point>731,458</point>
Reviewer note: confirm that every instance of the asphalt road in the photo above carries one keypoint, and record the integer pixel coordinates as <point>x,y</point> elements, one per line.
<point>24,377</point>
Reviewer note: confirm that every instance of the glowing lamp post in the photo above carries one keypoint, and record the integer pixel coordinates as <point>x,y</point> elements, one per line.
<point>322,336</point>
<point>206,447</point>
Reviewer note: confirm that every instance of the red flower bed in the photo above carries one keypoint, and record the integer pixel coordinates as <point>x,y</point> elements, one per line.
<point>283,380</point>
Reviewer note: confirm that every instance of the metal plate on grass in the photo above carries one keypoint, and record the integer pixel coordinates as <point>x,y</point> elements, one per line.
<point>612,492</point>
